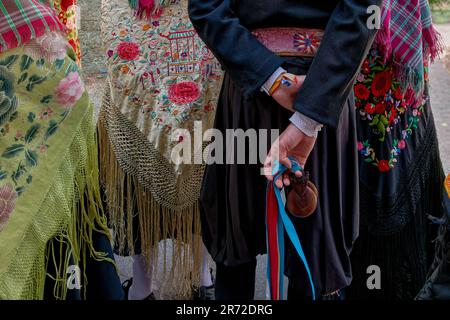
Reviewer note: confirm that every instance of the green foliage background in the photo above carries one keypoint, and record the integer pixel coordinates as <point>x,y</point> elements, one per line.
<point>441,11</point>
<point>437,2</point>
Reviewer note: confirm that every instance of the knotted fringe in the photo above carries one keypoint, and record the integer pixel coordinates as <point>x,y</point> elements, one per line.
<point>127,200</point>
<point>70,214</point>
<point>438,275</point>
<point>410,74</point>
<point>404,255</point>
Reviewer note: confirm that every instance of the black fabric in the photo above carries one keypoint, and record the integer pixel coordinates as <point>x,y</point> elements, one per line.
<point>225,25</point>
<point>99,279</point>
<point>437,286</point>
<point>233,196</point>
<point>103,282</point>
<point>235,283</point>
<point>397,233</point>
<point>296,293</point>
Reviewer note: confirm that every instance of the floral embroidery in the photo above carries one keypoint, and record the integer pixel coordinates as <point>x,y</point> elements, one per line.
<point>160,68</point>
<point>46,113</point>
<point>307,42</point>
<point>8,197</point>
<point>8,101</point>
<point>128,51</point>
<point>304,42</point>
<point>361,92</point>
<point>184,92</point>
<point>26,132</point>
<point>69,90</point>
<point>382,107</point>
<point>66,10</point>
<point>381,83</point>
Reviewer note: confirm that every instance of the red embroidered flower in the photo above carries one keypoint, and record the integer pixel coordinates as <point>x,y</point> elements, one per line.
<point>397,94</point>
<point>65,4</point>
<point>8,197</point>
<point>370,109</point>
<point>361,92</point>
<point>401,144</point>
<point>360,146</point>
<point>383,166</point>
<point>183,92</point>
<point>73,44</point>
<point>393,114</point>
<point>365,68</point>
<point>381,83</point>
<point>380,107</point>
<point>46,114</point>
<point>128,51</point>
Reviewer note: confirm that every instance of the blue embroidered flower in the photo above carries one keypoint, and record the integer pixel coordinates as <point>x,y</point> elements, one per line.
<point>8,101</point>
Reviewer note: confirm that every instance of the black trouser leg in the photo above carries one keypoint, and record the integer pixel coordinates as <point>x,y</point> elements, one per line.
<point>297,292</point>
<point>235,283</point>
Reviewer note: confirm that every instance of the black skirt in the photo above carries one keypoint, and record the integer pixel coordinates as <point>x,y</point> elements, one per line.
<point>233,195</point>
<point>397,210</point>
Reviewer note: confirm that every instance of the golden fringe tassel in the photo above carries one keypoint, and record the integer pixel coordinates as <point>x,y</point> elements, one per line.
<point>75,240</point>
<point>63,224</point>
<point>127,199</point>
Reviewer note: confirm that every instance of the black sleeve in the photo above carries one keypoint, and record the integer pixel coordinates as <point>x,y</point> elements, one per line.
<point>334,69</point>
<point>332,74</point>
<point>244,58</point>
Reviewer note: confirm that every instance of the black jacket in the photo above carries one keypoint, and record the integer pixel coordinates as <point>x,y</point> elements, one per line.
<point>225,27</point>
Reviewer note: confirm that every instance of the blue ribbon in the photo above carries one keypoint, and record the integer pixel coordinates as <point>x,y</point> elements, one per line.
<point>287,225</point>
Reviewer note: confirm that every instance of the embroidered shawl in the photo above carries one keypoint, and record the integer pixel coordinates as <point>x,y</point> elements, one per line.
<point>48,167</point>
<point>161,80</point>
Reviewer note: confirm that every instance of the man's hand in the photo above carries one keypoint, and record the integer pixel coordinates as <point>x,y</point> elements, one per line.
<point>287,91</point>
<point>291,143</point>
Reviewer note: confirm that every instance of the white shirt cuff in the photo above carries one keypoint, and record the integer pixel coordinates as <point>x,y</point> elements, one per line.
<point>269,83</point>
<point>307,125</point>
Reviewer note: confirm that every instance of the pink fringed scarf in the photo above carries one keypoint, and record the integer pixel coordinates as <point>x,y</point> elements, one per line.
<point>408,38</point>
<point>22,21</point>
<point>143,8</point>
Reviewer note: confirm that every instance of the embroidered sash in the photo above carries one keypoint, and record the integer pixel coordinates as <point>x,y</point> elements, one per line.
<point>293,42</point>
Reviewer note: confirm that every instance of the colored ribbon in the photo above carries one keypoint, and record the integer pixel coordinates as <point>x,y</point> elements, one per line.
<point>278,221</point>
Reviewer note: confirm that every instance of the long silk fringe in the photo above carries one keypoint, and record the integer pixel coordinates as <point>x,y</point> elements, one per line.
<point>126,199</point>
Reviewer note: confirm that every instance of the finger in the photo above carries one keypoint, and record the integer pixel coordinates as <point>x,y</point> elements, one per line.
<point>279,183</point>
<point>299,173</point>
<point>268,167</point>
<point>300,80</point>
<point>267,170</point>
<point>286,162</point>
<point>286,179</point>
